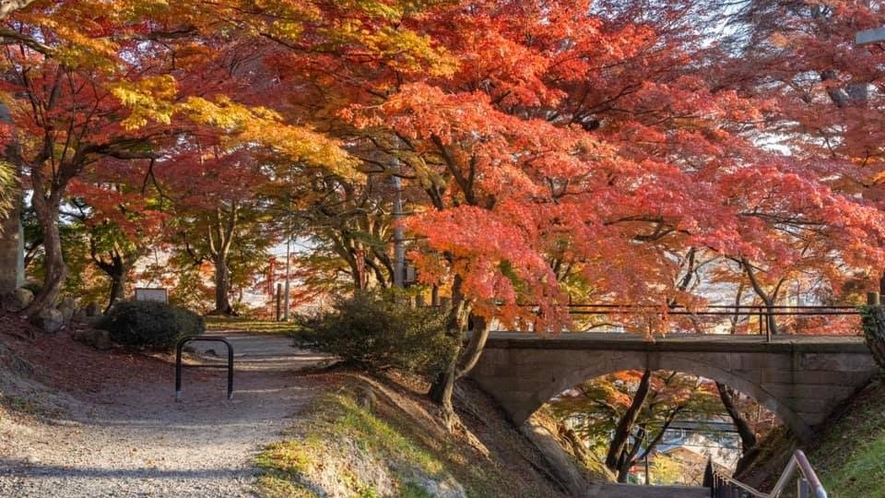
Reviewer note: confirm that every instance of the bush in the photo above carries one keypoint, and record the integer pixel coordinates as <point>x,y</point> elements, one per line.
<point>150,324</point>
<point>377,332</point>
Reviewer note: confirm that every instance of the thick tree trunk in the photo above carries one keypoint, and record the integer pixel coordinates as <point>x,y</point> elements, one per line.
<point>55,267</point>
<point>464,359</point>
<point>471,353</point>
<point>118,284</point>
<point>748,438</point>
<point>442,391</point>
<point>117,272</point>
<point>882,283</point>
<point>627,458</point>
<point>443,387</point>
<point>222,285</point>
<point>219,247</point>
<point>626,423</point>
<point>623,469</point>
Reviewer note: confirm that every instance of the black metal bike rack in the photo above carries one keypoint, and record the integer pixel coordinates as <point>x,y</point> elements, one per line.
<point>230,364</point>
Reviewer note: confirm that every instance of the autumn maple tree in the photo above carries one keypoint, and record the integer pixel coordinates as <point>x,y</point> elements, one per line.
<point>568,149</point>
<point>115,219</point>
<point>349,225</point>
<point>87,83</point>
<point>609,151</point>
<point>567,145</point>
<point>66,89</point>
<point>824,117</point>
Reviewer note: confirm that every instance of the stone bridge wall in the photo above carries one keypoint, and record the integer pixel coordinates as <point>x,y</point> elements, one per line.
<point>801,379</point>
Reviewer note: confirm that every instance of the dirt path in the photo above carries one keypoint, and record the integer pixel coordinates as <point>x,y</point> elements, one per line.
<point>127,437</point>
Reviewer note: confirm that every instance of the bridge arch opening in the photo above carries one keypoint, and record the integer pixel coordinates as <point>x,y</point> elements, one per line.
<point>684,364</point>
<point>680,423</point>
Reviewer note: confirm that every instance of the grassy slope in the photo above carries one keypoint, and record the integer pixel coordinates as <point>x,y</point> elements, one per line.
<point>849,455</point>
<point>372,438</point>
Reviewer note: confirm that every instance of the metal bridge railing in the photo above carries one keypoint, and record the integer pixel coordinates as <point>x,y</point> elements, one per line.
<point>807,483</point>
<point>745,319</point>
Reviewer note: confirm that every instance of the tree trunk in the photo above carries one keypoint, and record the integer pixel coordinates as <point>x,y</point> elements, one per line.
<point>882,283</point>
<point>117,272</point>
<point>55,267</point>
<point>768,299</point>
<point>461,363</point>
<point>222,285</point>
<point>628,456</point>
<point>443,387</point>
<point>219,247</point>
<point>470,355</point>
<point>623,469</point>
<point>626,423</point>
<point>748,438</point>
<point>442,391</point>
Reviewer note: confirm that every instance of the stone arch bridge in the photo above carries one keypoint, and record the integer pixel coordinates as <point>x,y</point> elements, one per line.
<point>799,378</point>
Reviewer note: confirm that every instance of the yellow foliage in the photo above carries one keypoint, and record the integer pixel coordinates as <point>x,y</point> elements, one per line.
<point>263,126</point>
<point>147,99</point>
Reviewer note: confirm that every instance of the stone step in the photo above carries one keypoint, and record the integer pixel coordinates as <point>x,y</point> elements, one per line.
<point>637,491</point>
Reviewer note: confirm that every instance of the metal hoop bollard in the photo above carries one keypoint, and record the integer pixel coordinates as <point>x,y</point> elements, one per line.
<point>230,364</point>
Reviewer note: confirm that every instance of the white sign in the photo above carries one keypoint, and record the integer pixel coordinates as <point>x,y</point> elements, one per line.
<point>151,294</point>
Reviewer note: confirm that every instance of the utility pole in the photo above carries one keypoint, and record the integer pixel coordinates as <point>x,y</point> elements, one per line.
<point>869,37</point>
<point>288,258</point>
<point>399,248</point>
<point>286,295</point>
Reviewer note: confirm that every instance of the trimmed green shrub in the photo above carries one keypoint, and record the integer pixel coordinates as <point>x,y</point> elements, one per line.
<point>375,331</point>
<point>150,324</point>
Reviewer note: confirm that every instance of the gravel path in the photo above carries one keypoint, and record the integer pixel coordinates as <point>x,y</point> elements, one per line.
<point>135,441</point>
